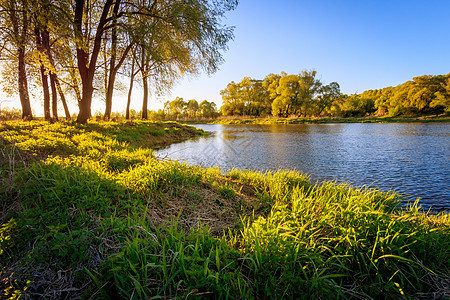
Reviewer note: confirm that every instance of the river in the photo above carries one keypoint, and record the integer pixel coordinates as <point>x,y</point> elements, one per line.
<point>410,158</point>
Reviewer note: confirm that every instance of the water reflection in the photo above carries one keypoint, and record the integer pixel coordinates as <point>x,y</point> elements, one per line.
<point>410,158</point>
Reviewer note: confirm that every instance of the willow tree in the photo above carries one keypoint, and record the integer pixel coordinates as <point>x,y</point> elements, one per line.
<point>46,18</point>
<point>248,97</point>
<point>185,38</point>
<point>15,22</point>
<point>121,44</point>
<point>185,35</point>
<point>295,94</point>
<point>443,96</point>
<point>327,94</point>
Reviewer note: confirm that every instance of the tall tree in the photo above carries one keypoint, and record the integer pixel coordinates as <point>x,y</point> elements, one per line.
<point>231,98</point>
<point>192,108</point>
<point>443,96</point>
<point>326,96</point>
<point>208,109</point>
<point>87,56</point>
<point>115,62</point>
<point>130,89</point>
<point>185,38</point>
<point>15,18</point>
<point>46,20</point>
<point>41,61</point>
<point>248,97</point>
<point>190,30</point>
<point>295,93</point>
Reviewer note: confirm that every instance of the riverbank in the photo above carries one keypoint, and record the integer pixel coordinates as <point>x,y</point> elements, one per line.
<point>324,120</point>
<point>89,211</point>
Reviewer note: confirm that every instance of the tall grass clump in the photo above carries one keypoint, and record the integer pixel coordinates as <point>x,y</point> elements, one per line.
<point>169,262</point>
<point>335,241</point>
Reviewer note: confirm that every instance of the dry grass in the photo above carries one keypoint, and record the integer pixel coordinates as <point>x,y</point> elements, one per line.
<point>202,204</point>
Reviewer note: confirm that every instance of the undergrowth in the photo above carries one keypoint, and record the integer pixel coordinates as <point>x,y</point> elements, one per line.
<point>89,212</point>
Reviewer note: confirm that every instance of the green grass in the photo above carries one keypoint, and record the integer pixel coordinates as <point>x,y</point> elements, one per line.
<point>88,211</point>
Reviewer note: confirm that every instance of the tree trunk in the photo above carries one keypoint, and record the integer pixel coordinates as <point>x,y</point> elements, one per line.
<point>23,87</point>
<point>112,78</point>
<point>44,76</point>
<point>145,100</point>
<point>20,35</point>
<point>46,93</point>
<point>46,45</point>
<point>112,64</point>
<point>109,94</point>
<point>106,76</point>
<point>85,104</point>
<point>63,99</point>
<point>87,66</point>
<point>54,97</point>
<point>127,112</point>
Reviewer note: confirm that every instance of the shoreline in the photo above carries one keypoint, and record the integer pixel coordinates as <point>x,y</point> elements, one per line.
<point>245,120</point>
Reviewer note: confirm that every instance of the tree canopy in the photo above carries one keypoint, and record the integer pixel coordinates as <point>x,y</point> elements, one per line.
<point>180,109</point>
<point>303,94</point>
<point>165,39</point>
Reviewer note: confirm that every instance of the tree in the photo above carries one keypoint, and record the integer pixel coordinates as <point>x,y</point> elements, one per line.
<point>295,93</point>
<point>114,63</point>
<point>177,108</point>
<point>192,108</point>
<point>310,87</point>
<point>208,109</point>
<point>186,38</point>
<point>130,88</point>
<point>232,104</point>
<point>15,19</point>
<point>270,84</point>
<point>248,97</point>
<point>41,49</point>
<point>443,96</point>
<point>424,91</point>
<point>41,19</point>
<point>287,94</point>
<point>382,100</point>
<point>184,35</point>
<point>326,96</point>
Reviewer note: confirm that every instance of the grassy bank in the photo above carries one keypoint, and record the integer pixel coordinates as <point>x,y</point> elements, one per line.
<point>321,120</point>
<point>88,211</point>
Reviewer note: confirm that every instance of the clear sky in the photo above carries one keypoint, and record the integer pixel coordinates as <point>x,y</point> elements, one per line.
<point>359,44</point>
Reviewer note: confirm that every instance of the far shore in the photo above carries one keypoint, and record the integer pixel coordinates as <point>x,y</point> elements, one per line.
<point>315,120</point>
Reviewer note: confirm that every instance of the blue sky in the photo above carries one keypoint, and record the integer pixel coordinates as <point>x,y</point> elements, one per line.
<point>359,44</point>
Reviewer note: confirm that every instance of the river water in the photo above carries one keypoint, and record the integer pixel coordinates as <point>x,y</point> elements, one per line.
<point>410,158</point>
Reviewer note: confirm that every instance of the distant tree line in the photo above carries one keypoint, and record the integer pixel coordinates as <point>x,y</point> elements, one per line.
<point>304,95</point>
<point>177,109</point>
<point>422,95</point>
<point>191,109</point>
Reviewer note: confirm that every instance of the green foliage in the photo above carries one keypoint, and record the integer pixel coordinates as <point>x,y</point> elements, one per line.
<point>246,98</point>
<point>179,109</point>
<point>284,94</point>
<point>423,95</point>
